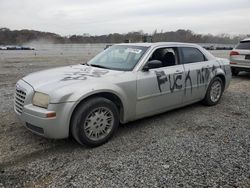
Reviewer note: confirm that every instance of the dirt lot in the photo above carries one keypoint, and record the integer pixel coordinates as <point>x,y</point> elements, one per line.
<point>195,146</point>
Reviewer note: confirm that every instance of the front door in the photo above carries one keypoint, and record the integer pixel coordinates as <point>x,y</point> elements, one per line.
<point>161,88</point>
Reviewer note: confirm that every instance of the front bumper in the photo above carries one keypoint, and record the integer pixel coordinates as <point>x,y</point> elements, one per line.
<point>35,118</point>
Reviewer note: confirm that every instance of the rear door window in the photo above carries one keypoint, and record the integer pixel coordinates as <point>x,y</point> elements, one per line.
<point>243,45</point>
<point>192,55</point>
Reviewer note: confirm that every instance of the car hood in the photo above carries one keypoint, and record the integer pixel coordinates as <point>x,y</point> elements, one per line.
<point>52,79</point>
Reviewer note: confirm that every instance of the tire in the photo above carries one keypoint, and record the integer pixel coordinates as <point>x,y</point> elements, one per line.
<point>234,72</point>
<point>95,122</point>
<point>211,97</point>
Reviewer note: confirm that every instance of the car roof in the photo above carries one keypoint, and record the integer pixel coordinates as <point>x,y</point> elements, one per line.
<point>156,44</point>
<point>246,39</point>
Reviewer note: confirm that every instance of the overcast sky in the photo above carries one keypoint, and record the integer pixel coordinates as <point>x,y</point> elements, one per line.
<point>67,17</point>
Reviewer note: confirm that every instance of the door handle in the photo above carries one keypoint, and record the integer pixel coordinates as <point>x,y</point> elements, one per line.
<point>178,71</point>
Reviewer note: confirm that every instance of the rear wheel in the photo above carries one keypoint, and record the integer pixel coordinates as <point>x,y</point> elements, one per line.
<point>234,72</point>
<point>95,122</point>
<point>214,92</point>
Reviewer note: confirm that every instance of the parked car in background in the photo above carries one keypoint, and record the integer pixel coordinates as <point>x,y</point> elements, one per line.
<point>240,57</point>
<point>3,48</point>
<point>123,83</point>
<point>15,47</point>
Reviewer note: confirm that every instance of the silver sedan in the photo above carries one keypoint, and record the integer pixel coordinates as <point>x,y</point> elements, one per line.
<point>123,83</point>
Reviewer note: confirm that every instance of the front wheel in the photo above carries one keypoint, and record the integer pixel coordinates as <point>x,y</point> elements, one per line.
<point>95,122</point>
<point>214,92</point>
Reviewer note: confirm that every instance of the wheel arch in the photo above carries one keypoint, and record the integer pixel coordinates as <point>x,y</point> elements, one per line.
<point>223,79</point>
<point>213,75</point>
<point>105,94</point>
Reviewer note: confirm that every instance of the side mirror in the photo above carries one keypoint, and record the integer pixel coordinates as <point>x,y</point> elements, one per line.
<point>152,65</point>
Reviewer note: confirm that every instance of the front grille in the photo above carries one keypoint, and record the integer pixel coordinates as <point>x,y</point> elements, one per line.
<point>19,100</point>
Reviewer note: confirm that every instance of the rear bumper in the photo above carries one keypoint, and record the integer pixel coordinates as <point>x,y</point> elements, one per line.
<point>34,118</point>
<point>240,67</point>
<point>240,62</point>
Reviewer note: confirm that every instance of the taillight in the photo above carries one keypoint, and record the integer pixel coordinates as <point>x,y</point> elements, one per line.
<point>234,53</point>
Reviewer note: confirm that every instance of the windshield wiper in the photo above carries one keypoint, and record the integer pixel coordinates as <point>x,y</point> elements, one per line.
<point>99,66</point>
<point>86,64</point>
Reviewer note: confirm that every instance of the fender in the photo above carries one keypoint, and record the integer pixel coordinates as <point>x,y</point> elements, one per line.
<point>216,71</point>
<point>77,95</point>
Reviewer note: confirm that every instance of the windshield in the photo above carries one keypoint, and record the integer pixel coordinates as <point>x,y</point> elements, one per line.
<point>119,57</point>
<point>244,45</point>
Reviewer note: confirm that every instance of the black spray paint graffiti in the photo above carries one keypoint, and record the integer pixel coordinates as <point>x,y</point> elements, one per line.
<point>224,69</point>
<point>162,78</point>
<point>83,73</point>
<point>202,76</point>
<point>188,78</point>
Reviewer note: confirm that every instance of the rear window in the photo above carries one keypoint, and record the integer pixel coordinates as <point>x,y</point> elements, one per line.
<point>244,45</point>
<point>192,55</point>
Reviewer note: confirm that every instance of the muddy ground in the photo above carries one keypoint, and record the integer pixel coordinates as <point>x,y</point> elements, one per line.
<point>195,146</point>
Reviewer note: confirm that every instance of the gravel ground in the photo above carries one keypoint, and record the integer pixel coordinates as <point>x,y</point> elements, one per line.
<point>194,146</point>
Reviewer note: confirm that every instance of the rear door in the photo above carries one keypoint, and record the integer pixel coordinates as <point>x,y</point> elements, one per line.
<point>197,73</point>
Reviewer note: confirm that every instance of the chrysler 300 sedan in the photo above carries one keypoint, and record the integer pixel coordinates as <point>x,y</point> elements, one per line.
<point>123,83</point>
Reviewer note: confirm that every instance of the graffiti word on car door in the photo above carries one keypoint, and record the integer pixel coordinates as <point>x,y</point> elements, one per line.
<point>162,78</point>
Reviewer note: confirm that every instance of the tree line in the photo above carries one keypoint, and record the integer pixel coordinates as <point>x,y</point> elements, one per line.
<point>19,37</point>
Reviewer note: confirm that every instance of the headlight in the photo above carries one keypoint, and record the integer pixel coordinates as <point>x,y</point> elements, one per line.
<point>41,100</point>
